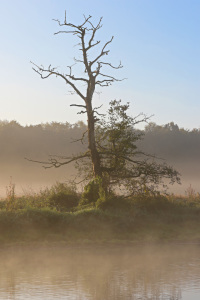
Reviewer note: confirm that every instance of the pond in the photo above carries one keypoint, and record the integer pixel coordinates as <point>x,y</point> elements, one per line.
<point>169,272</point>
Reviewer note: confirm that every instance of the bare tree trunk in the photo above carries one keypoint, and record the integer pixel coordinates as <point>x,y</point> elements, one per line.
<point>96,162</point>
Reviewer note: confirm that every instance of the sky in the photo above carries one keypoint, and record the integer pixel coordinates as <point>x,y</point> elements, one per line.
<point>158,43</point>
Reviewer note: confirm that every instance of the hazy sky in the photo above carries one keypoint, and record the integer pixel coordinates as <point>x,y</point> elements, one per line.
<point>157,41</point>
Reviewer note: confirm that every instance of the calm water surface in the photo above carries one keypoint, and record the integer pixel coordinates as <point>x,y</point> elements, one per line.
<point>140,272</point>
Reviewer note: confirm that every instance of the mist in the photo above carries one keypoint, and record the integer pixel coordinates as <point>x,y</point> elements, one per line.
<point>165,272</point>
<point>176,146</point>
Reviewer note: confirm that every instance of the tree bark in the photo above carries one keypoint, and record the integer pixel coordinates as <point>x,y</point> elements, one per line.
<point>96,162</point>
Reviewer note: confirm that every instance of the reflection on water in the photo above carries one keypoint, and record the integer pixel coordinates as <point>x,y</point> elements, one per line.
<point>149,273</point>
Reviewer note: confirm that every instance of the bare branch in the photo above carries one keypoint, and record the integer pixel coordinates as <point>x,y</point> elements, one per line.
<point>76,78</point>
<point>102,52</point>
<point>81,139</point>
<point>92,45</point>
<point>82,112</point>
<point>78,60</point>
<point>79,27</point>
<point>77,105</point>
<point>111,77</point>
<point>98,107</point>
<point>71,31</point>
<point>86,20</point>
<point>54,162</point>
<point>98,25</point>
<point>106,44</point>
<point>96,112</point>
<point>65,18</point>
<point>50,72</point>
<point>145,119</point>
<point>94,29</point>
<point>110,65</point>
<point>43,77</point>
<point>107,82</point>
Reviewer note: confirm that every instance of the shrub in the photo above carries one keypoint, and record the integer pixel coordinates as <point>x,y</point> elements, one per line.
<point>113,202</point>
<point>151,203</point>
<point>63,197</point>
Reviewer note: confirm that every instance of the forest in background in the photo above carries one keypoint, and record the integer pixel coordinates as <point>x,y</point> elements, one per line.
<point>178,146</point>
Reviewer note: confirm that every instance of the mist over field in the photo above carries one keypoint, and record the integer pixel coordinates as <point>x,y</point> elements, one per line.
<point>178,146</point>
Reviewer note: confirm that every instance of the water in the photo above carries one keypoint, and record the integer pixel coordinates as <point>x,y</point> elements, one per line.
<point>101,273</point>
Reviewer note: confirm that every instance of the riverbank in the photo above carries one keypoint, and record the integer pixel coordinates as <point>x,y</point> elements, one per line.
<point>58,215</point>
<point>88,226</point>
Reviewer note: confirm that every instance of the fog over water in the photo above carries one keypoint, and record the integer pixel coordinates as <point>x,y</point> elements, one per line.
<point>178,146</point>
<point>96,273</point>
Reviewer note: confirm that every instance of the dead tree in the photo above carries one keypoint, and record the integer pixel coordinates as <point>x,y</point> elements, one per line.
<point>94,76</point>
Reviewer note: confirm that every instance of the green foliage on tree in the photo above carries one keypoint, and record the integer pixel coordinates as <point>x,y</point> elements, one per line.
<point>123,165</point>
<point>125,168</point>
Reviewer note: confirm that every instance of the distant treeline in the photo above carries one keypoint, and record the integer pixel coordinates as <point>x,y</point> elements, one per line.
<point>38,141</point>
<point>167,141</point>
<point>172,142</point>
<point>180,147</point>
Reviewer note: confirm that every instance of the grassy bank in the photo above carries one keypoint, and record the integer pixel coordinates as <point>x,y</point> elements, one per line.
<point>55,215</point>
